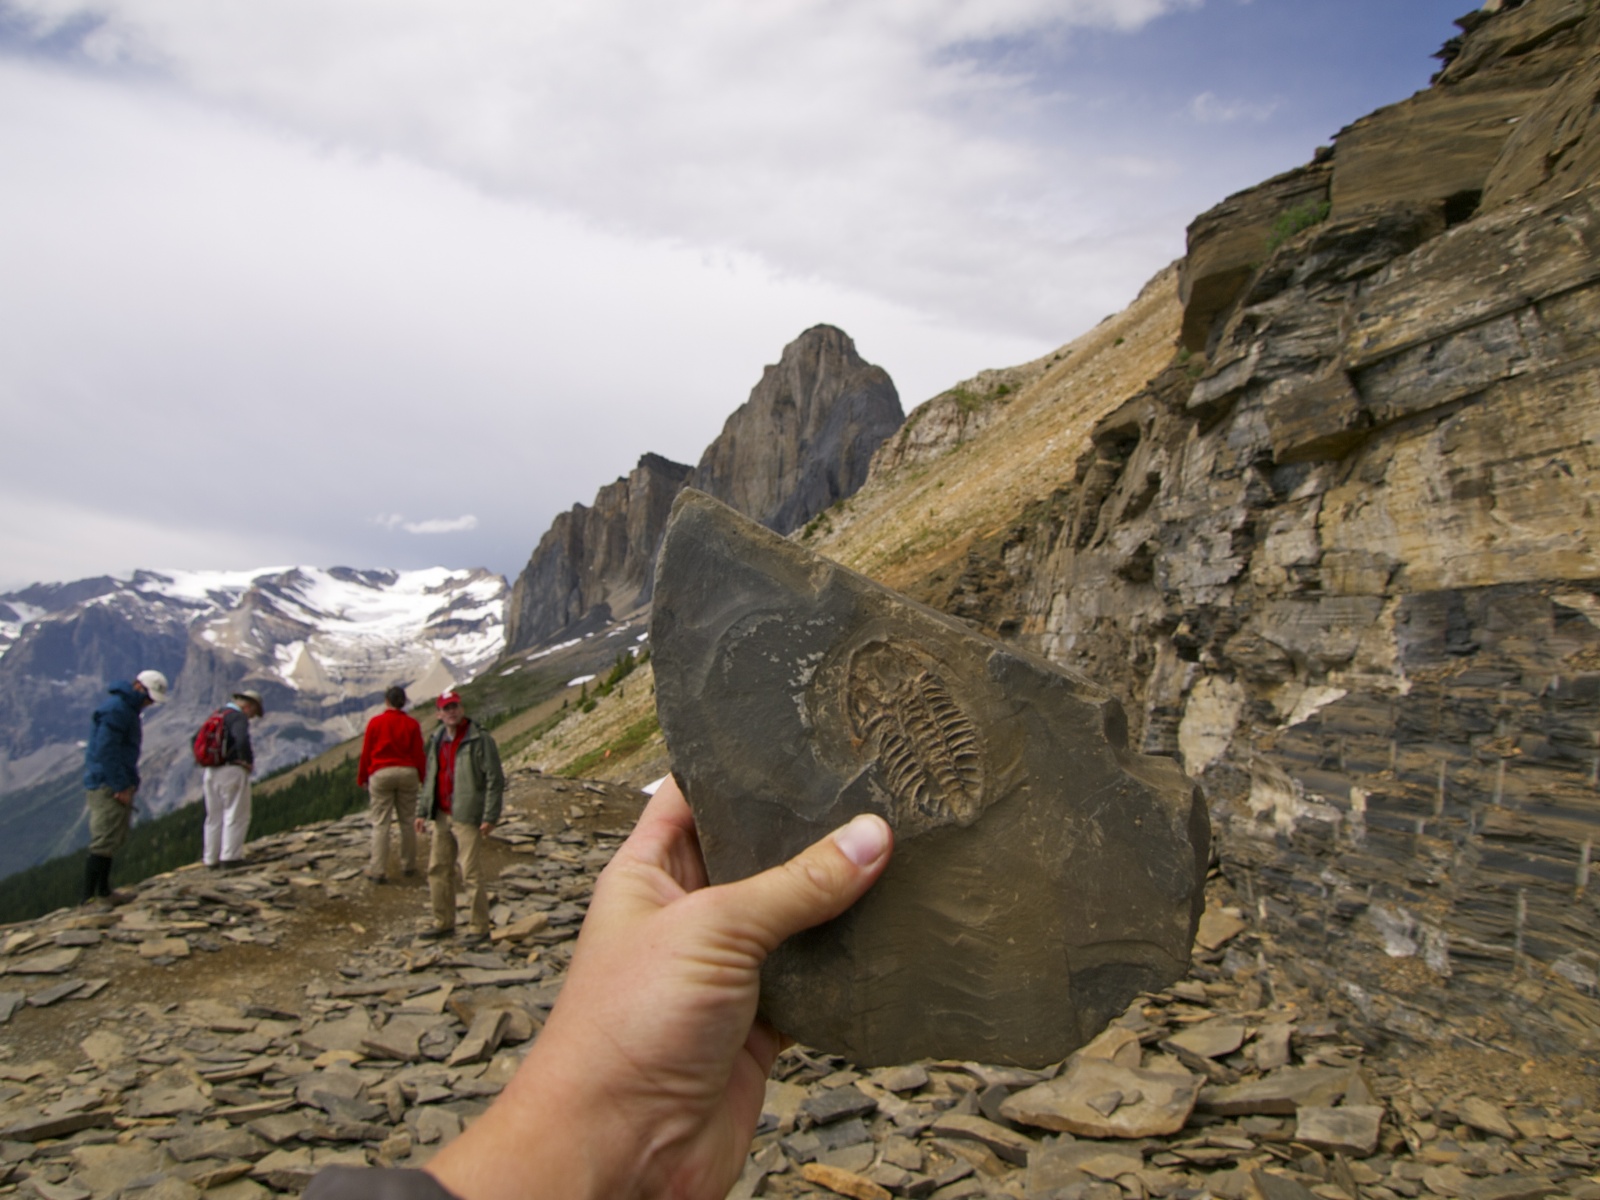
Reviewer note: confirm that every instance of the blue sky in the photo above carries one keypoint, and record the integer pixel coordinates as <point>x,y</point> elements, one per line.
<point>324,282</point>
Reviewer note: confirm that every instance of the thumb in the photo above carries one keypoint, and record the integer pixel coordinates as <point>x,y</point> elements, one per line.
<point>815,885</point>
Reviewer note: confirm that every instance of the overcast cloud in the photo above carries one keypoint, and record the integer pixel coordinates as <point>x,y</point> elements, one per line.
<point>390,284</point>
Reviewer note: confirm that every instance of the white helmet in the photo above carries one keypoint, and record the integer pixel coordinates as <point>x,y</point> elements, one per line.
<point>155,683</point>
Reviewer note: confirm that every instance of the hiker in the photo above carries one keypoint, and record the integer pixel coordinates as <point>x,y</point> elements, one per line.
<point>393,762</point>
<point>227,786</point>
<point>461,793</point>
<point>111,775</point>
<point>647,1080</point>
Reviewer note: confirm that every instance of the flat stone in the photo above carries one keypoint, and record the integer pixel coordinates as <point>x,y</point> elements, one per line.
<point>836,1104</point>
<point>56,991</point>
<point>170,947</point>
<point>1514,1187</point>
<point>1279,1094</point>
<point>1209,1039</point>
<point>1116,1045</point>
<point>46,962</point>
<point>483,1037</point>
<point>216,1143</point>
<point>844,1183</point>
<point>400,1038</point>
<point>1218,927</point>
<point>348,1032</point>
<point>1271,1048</point>
<point>1352,1129</point>
<point>38,1128</point>
<point>1044,873</point>
<point>1148,1103</point>
<point>1486,1117</point>
<point>104,1049</point>
<point>9,1003</point>
<point>167,1094</point>
<point>1006,1143</point>
<point>105,1170</point>
<point>904,1078</point>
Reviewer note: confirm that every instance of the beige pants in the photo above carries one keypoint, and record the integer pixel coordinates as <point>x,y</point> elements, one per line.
<point>392,792</point>
<point>108,822</point>
<point>456,843</point>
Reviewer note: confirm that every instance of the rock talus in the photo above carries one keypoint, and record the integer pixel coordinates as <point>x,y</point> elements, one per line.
<point>1044,874</point>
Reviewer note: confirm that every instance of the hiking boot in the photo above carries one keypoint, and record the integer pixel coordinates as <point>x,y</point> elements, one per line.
<point>117,896</point>
<point>475,939</point>
<point>435,935</point>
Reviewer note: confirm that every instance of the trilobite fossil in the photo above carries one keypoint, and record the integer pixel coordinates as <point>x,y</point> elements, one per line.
<point>927,749</point>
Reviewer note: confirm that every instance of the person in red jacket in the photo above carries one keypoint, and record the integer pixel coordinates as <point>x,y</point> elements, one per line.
<point>391,767</point>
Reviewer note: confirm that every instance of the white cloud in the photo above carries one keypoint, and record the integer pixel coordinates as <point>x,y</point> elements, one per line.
<point>1210,109</point>
<point>441,525</point>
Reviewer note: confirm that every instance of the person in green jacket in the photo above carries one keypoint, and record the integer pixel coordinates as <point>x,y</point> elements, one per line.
<point>461,792</point>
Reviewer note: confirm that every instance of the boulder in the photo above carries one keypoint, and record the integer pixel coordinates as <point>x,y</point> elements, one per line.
<point>1044,874</point>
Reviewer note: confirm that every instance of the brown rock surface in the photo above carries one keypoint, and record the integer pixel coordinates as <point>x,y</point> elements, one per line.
<point>1042,875</point>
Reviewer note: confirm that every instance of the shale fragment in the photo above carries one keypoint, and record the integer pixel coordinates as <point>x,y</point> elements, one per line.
<point>1044,874</point>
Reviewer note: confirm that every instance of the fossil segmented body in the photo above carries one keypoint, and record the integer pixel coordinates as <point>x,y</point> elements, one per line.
<point>928,751</point>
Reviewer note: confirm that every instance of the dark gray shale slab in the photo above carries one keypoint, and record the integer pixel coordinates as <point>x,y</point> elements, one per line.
<point>1044,874</point>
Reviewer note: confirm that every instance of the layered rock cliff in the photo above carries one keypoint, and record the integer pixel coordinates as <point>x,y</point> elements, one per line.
<point>1343,555</point>
<point>802,441</point>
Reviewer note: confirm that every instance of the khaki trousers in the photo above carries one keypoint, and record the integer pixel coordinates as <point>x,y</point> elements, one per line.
<point>456,843</point>
<point>108,822</point>
<point>392,794</point>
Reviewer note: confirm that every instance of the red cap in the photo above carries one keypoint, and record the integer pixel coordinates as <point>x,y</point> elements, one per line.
<point>447,699</point>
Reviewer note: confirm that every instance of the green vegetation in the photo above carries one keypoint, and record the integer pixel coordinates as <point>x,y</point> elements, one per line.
<point>627,660</point>
<point>631,739</point>
<point>173,839</point>
<point>1297,220</point>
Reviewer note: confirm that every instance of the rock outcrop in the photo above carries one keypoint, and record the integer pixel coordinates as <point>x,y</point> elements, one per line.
<point>802,441</point>
<point>1342,554</point>
<point>806,436</point>
<point>595,563</point>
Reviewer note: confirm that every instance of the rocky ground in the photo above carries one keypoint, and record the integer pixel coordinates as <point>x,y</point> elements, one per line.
<point>227,1034</point>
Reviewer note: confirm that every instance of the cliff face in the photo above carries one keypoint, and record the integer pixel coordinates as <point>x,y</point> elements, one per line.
<point>803,440</point>
<point>806,436</point>
<point>1343,554</point>
<point>595,561</point>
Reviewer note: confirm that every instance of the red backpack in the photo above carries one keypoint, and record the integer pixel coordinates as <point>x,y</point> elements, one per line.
<point>211,742</point>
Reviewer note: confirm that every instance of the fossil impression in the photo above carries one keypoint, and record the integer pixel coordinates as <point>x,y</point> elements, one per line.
<point>1043,873</point>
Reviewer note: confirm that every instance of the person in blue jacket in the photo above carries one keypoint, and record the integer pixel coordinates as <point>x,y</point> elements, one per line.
<point>111,773</point>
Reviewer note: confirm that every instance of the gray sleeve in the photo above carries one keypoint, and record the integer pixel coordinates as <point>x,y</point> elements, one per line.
<point>373,1183</point>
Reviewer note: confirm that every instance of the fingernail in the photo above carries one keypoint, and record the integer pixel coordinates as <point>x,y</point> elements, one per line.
<point>864,840</point>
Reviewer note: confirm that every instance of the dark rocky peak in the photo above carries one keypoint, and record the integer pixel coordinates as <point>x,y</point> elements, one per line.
<point>595,557</point>
<point>805,437</point>
<point>802,441</point>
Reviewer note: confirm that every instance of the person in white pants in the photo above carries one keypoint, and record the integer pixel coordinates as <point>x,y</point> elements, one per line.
<point>227,788</point>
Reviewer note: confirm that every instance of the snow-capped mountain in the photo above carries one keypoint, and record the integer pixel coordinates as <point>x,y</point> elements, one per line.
<point>320,645</point>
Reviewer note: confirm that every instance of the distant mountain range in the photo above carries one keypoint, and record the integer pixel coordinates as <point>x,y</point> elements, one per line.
<point>319,645</point>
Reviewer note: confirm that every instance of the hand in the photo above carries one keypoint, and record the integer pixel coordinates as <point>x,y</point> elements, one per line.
<point>420,824</point>
<point>486,828</point>
<point>649,1076</point>
<point>125,796</point>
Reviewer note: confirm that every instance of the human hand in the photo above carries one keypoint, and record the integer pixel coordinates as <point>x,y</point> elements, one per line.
<point>486,828</point>
<point>420,825</point>
<point>648,1078</point>
<point>124,797</point>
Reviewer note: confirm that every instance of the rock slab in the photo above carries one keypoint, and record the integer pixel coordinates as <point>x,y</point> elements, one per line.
<point>1044,873</point>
